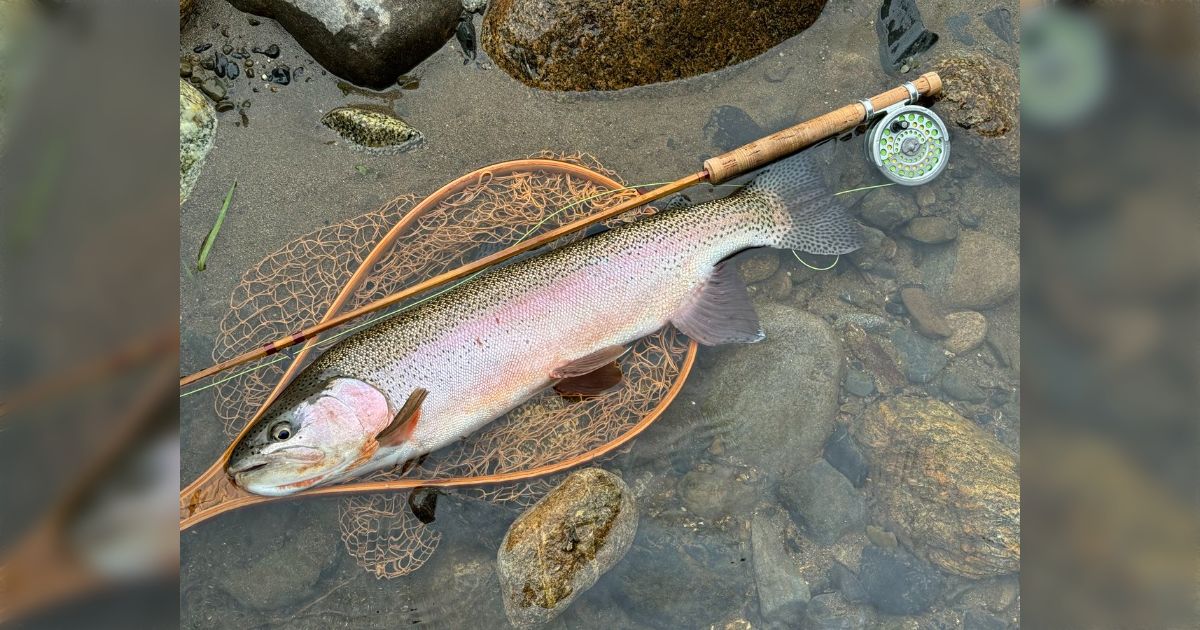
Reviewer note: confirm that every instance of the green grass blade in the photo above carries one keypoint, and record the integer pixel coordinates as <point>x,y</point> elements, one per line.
<point>212,234</point>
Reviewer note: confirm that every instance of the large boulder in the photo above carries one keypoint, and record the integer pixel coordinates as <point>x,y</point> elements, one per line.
<point>773,402</point>
<point>368,42</point>
<point>944,484</point>
<point>559,547</point>
<point>601,45</point>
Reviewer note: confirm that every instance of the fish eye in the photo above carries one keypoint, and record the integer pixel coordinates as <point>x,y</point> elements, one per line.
<point>281,431</point>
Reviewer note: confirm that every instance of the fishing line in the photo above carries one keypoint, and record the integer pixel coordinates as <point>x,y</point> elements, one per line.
<point>831,265</point>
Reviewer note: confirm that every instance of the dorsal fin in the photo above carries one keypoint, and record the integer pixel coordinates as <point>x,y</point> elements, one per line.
<point>720,312</point>
<point>591,384</point>
<point>401,427</point>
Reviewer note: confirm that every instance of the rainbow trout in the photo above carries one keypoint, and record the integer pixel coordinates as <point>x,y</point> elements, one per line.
<point>438,372</point>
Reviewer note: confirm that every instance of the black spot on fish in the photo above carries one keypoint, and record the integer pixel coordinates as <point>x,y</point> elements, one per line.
<point>423,503</point>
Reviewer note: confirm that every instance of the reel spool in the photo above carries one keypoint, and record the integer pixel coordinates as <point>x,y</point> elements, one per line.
<point>908,143</point>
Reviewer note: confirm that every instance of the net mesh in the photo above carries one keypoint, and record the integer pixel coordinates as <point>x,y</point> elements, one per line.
<point>294,286</point>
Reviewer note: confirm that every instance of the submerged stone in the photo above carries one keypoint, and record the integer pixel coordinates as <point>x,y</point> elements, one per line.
<point>896,583</point>
<point>559,547</point>
<point>968,330</point>
<point>824,500</point>
<point>976,271</point>
<point>782,590</point>
<point>584,45</point>
<point>945,484</point>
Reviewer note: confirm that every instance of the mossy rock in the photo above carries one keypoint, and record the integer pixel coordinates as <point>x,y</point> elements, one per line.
<point>561,546</point>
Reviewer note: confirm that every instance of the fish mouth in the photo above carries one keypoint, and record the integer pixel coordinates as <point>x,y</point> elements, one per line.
<point>247,464</point>
<point>283,471</point>
<point>302,455</point>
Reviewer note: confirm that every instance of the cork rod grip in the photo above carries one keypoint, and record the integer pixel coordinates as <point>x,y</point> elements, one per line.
<point>780,144</point>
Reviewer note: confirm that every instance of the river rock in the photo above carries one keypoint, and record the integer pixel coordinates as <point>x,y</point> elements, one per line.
<point>979,620</point>
<point>968,329</point>
<point>920,358</point>
<point>303,537</point>
<point>945,484</point>
<point>680,575</point>
<point>896,583</point>
<point>774,401</point>
<point>887,209</point>
<point>758,264</point>
<point>558,548</point>
<point>584,45</point>
<point>980,95</point>
<point>847,583</point>
<point>197,131</point>
<point>976,271</point>
<point>368,42</point>
<point>782,590</point>
<point>831,612</point>
<point>712,491</point>
<point>924,314</point>
<point>931,230</point>
<point>859,383</point>
<point>876,254</point>
<point>959,384</point>
<point>729,127</point>
<point>844,455</point>
<point>824,500</point>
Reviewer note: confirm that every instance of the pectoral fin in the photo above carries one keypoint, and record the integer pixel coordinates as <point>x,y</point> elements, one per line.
<point>591,384</point>
<point>720,312</point>
<point>402,426</point>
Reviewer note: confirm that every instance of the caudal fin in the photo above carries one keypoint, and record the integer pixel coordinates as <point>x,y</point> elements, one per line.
<point>813,220</point>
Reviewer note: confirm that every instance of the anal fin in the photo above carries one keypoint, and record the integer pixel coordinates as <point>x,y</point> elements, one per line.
<point>720,312</point>
<point>593,383</point>
<point>402,426</point>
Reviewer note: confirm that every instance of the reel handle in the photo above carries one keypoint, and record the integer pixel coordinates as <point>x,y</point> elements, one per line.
<point>780,144</point>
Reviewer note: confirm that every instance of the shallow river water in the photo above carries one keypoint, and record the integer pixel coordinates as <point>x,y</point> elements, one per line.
<point>763,443</point>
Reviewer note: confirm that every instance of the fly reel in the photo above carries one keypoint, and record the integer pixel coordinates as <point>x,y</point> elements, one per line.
<point>908,143</point>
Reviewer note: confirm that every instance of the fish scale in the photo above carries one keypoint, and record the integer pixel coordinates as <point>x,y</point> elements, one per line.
<point>490,343</point>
